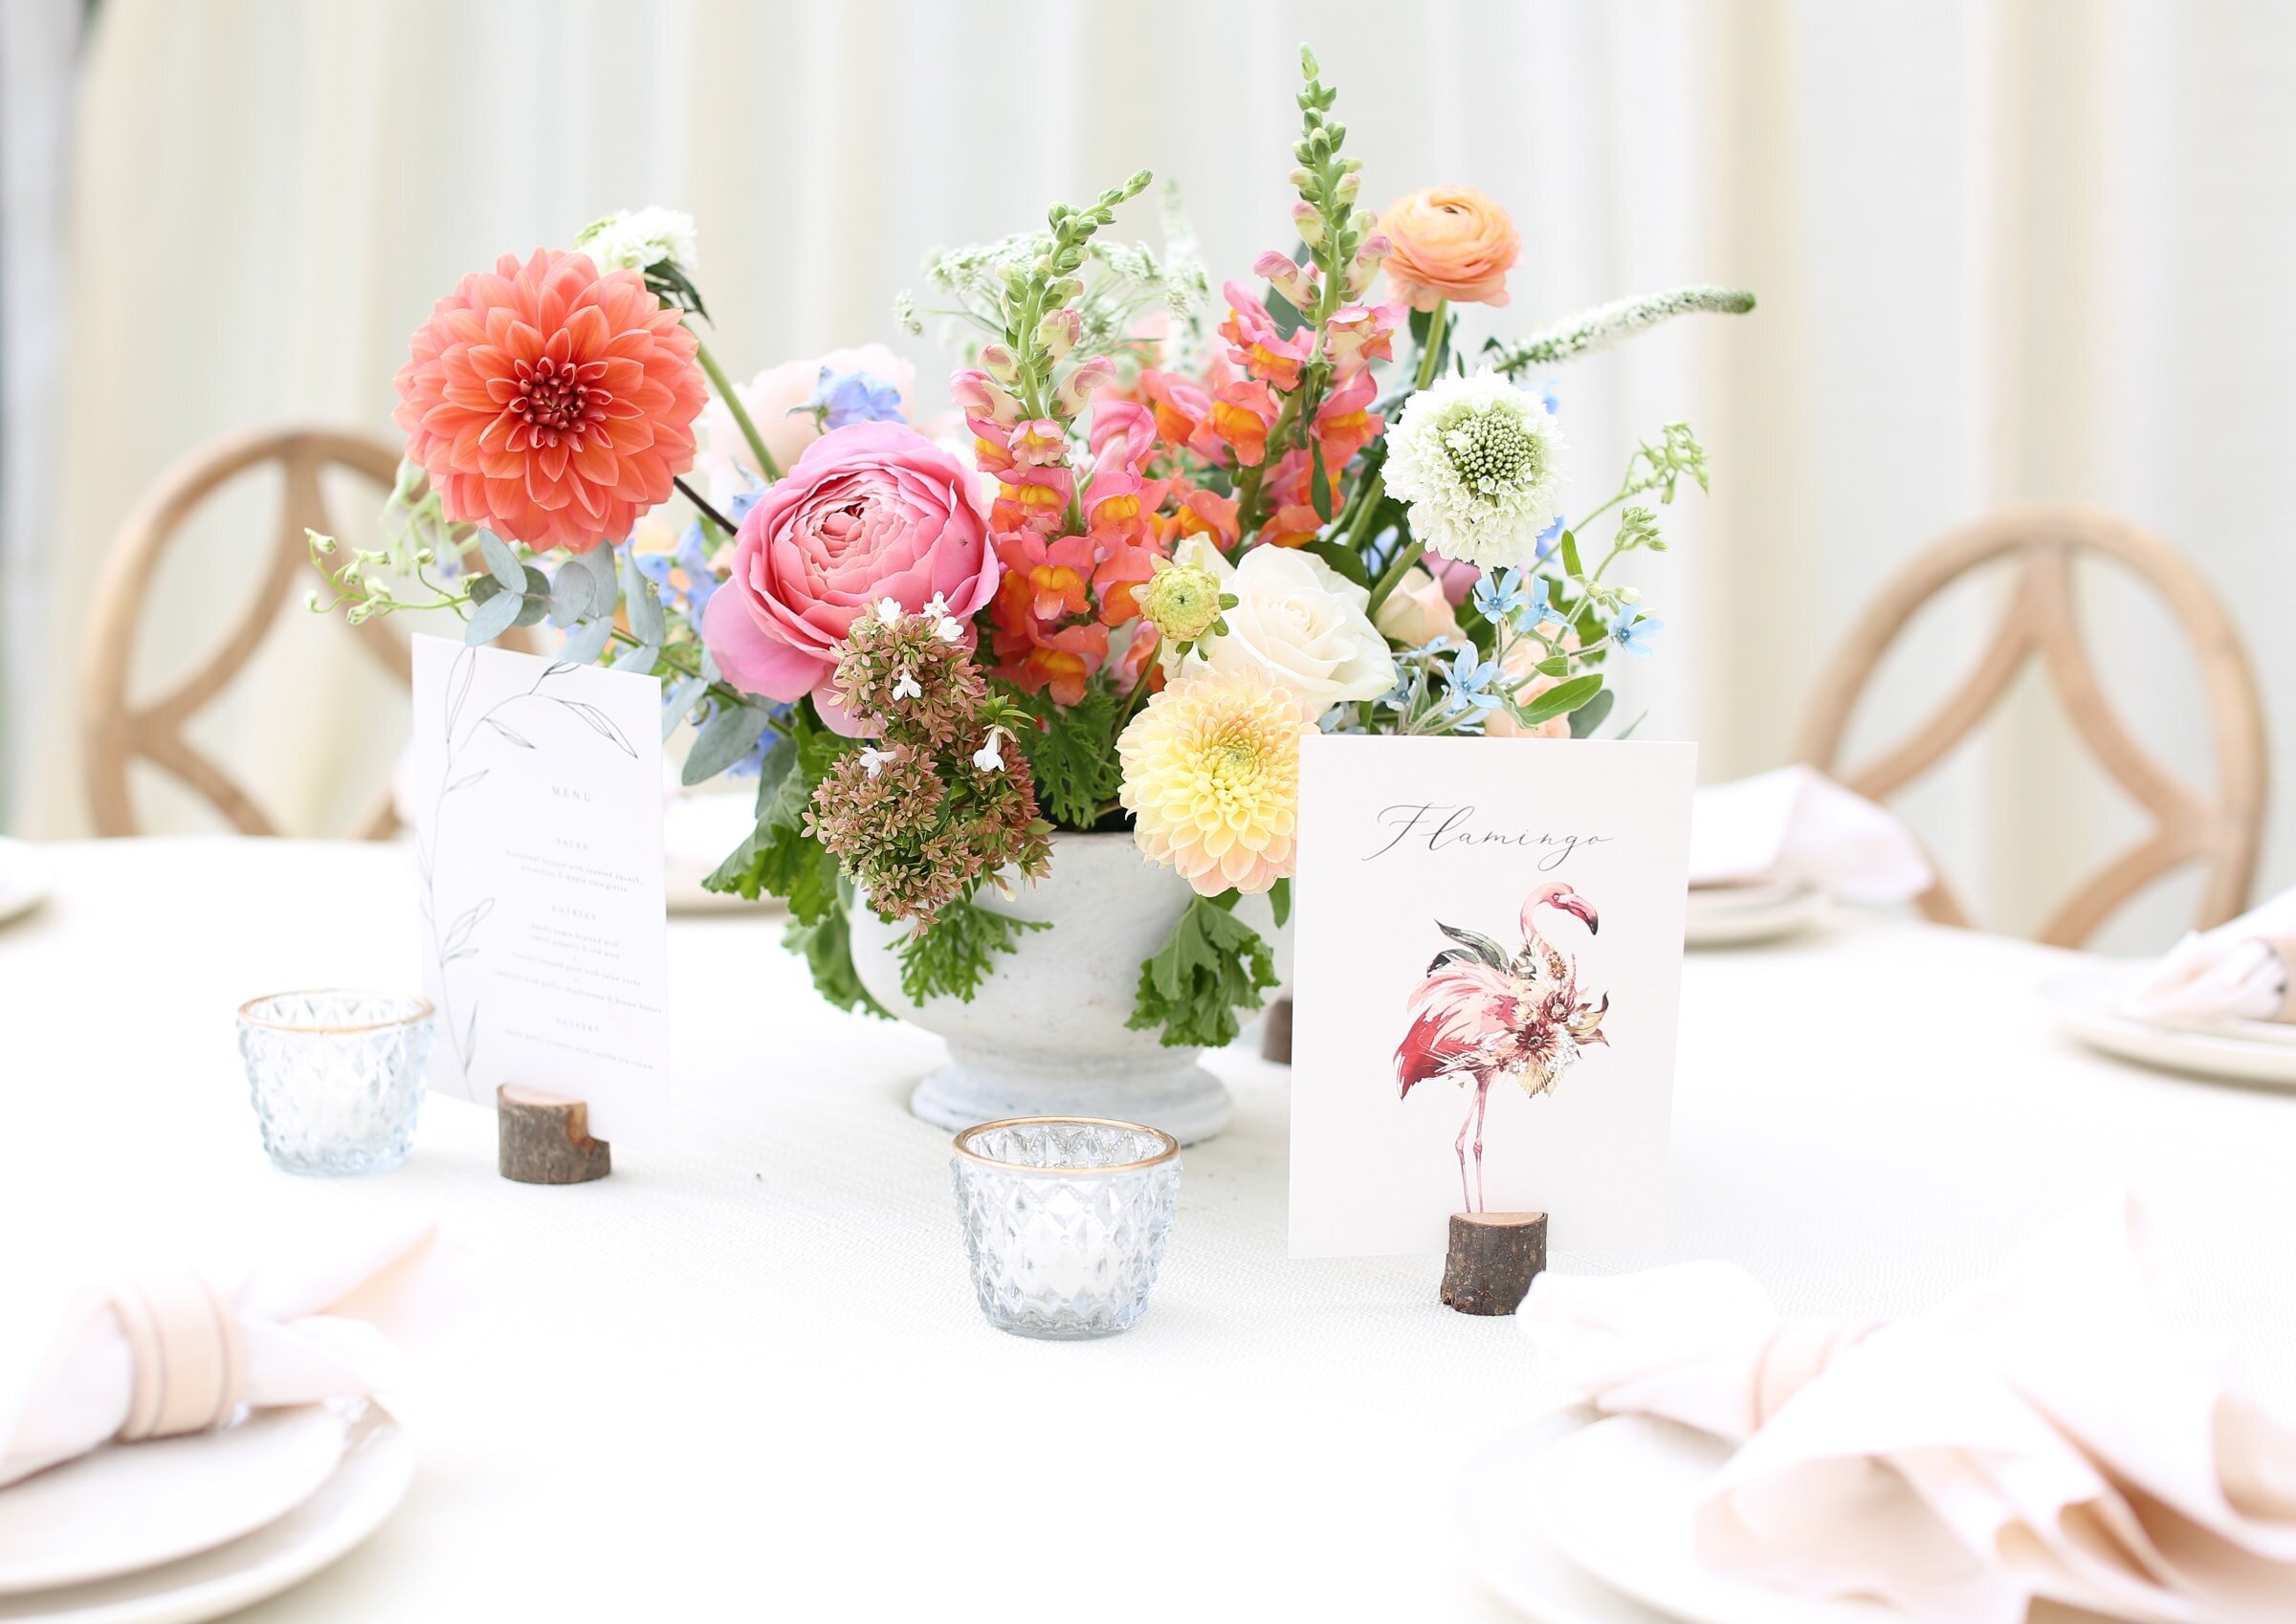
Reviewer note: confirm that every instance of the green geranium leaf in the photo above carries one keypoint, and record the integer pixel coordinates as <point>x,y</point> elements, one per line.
<point>1213,965</point>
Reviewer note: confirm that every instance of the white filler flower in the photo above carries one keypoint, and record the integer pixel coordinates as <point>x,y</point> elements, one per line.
<point>632,241</point>
<point>1480,463</point>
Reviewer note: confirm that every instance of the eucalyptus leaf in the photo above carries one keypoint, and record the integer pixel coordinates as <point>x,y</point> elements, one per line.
<point>723,741</point>
<point>645,608</point>
<point>500,561</point>
<point>679,703</point>
<point>492,617</point>
<point>586,641</point>
<point>606,589</point>
<point>537,598</point>
<point>640,659</point>
<point>571,594</point>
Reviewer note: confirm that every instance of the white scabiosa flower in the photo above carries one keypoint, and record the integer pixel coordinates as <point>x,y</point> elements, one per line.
<point>633,240</point>
<point>1479,461</point>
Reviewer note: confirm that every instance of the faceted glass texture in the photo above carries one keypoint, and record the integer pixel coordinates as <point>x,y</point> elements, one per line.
<point>336,1075</point>
<point>1065,1220</point>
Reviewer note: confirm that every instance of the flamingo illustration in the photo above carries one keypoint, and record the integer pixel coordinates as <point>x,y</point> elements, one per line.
<point>1484,1014</point>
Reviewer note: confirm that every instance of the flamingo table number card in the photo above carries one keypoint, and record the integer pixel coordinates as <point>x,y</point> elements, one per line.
<point>538,794</point>
<point>1488,963</point>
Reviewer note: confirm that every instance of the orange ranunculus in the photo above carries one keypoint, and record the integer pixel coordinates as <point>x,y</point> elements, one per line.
<point>1449,243</point>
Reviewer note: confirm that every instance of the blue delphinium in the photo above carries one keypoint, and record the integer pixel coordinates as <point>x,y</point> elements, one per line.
<point>1629,628</point>
<point>842,398</point>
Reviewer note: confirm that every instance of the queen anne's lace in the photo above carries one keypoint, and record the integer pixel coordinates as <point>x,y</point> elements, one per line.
<point>1480,463</point>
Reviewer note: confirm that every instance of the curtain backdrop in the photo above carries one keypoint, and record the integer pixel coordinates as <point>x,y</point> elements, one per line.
<point>2004,252</point>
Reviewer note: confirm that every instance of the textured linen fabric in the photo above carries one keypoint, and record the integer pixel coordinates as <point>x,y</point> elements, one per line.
<point>748,1379</point>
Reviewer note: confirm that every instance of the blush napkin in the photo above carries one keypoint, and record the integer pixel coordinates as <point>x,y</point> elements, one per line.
<point>2041,1435</point>
<point>1797,826</point>
<point>2239,971</point>
<point>160,1353</point>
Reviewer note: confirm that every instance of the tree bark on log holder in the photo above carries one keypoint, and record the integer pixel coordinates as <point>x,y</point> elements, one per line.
<point>543,1139</point>
<point>1492,1260</point>
<point>1275,1033</point>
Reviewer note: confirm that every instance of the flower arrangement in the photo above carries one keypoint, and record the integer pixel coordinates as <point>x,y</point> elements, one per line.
<point>1163,539</point>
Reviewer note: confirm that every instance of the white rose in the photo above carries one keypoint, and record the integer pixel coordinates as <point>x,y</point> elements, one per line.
<point>1297,619</point>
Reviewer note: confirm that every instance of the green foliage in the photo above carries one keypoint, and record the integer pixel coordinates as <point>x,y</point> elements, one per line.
<point>778,859</point>
<point>1071,754</point>
<point>827,949</point>
<point>951,957</point>
<point>1213,965</point>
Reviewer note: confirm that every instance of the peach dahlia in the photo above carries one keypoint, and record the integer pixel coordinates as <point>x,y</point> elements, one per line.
<point>549,403</point>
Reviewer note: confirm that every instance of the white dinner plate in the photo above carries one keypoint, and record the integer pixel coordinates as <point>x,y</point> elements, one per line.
<point>2087,1002</point>
<point>1616,1499</point>
<point>1741,915</point>
<point>375,1465</point>
<point>1509,1551</point>
<point>128,1506</point>
<point>24,878</point>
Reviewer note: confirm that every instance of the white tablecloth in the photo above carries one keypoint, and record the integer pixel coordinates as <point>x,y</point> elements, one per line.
<point>748,1379</point>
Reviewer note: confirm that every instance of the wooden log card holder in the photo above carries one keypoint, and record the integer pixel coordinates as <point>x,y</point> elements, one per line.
<point>1492,1260</point>
<point>544,1139</point>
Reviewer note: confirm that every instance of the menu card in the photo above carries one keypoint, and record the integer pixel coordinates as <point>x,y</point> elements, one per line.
<point>1488,954</point>
<point>537,788</point>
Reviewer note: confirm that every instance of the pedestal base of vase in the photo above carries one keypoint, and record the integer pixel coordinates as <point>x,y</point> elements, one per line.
<point>1186,1101</point>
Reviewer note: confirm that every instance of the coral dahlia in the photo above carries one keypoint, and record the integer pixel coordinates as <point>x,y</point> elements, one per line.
<point>549,403</point>
<point>1211,777</point>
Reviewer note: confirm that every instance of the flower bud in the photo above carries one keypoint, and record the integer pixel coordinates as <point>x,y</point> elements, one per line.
<point>997,361</point>
<point>1059,331</point>
<point>1349,183</point>
<point>1307,220</point>
<point>1181,601</point>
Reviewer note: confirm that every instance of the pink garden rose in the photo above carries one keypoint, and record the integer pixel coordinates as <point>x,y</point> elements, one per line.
<point>870,511</point>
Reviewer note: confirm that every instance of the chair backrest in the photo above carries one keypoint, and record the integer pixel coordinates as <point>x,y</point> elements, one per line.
<point>2222,831</point>
<point>119,729</point>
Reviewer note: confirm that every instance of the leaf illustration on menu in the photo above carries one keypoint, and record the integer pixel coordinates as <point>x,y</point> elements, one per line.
<point>468,921</point>
<point>508,732</point>
<point>466,780</point>
<point>599,722</point>
<point>459,678</point>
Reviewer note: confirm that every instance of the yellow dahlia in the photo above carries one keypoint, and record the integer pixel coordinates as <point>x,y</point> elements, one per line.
<point>1211,777</point>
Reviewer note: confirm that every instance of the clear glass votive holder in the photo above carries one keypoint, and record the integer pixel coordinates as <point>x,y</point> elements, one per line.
<point>1064,1219</point>
<point>336,1075</point>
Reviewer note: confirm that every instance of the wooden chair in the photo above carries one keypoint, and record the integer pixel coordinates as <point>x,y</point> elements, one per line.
<point>2222,831</point>
<point>119,729</point>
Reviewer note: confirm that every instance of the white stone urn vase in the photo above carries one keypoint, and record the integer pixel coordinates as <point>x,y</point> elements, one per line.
<point>1045,1036</point>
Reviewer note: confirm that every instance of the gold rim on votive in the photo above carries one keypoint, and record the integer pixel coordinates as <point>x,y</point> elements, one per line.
<point>1170,1150</point>
<point>423,1011</point>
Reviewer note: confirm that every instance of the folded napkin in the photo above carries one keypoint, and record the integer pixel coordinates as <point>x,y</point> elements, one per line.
<point>1796,824</point>
<point>2041,1435</point>
<point>163,1353</point>
<point>2239,971</point>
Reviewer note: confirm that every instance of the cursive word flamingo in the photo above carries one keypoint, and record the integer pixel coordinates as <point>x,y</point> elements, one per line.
<point>1484,1014</point>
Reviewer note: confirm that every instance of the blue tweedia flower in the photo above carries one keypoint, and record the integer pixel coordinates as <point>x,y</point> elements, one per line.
<point>1472,685</point>
<point>1631,627</point>
<point>1512,595</point>
<point>844,397</point>
<point>1498,595</point>
<point>1549,539</point>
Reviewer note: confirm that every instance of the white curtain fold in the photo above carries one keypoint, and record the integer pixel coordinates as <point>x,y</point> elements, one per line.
<point>2004,251</point>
